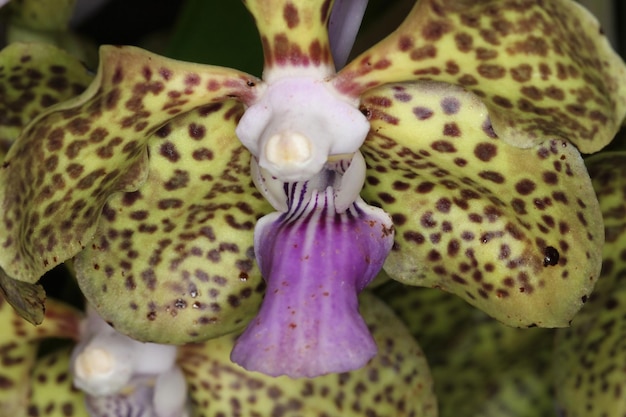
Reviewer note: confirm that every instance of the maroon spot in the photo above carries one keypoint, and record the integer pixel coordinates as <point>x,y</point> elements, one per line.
<point>290,14</point>
<point>492,72</point>
<point>178,180</point>
<point>492,176</point>
<point>422,113</point>
<point>386,198</point>
<point>434,30</point>
<point>467,80</point>
<point>443,146</point>
<point>451,129</point>
<point>463,42</point>
<point>522,73</point>
<point>202,154</point>
<point>425,187</point>
<point>550,178</point>
<point>196,131</point>
<point>502,102</point>
<point>398,219</point>
<point>460,162</point>
<point>427,220</point>
<point>450,105</point>
<point>551,256</point>
<point>382,64</point>
<point>428,51</point>
<point>519,206</point>
<point>452,67</point>
<point>55,140</point>
<point>192,80</point>
<point>485,54</point>
<point>59,84</point>
<point>118,75</point>
<point>525,187</point>
<point>168,150</point>
<point>405,43</point>
<point>485,151</point>
<point>443,205</point>
<point>415,237</point>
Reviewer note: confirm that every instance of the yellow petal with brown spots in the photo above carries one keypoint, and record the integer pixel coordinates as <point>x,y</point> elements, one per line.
<point>32,78</point>
<point>395,383</point>
<point>70,160</point>
<point>293,34</point>
<point>480,366</point>
<point>515,232</point>
<point>174,262</point>
<point>19,342</point>
<point>52,391</point>
<point>542,68</point>
<point>590,356</point>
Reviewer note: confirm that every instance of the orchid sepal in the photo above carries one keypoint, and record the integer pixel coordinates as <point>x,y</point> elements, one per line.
<point>515,232</point>
<point>543,69</point>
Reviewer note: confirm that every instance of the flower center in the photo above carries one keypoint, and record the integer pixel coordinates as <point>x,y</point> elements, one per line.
<point>297,124</point>
<point>93,363</point>
<point>286,148</point>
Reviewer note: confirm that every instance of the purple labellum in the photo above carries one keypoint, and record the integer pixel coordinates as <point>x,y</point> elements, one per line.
<point>315,261</point>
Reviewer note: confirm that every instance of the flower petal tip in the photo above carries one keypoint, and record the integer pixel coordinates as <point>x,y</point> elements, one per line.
<point>307,347</point>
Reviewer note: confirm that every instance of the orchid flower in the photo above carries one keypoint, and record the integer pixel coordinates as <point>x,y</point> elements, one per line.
<point>36,380</point>
<point>117,372</point>
<point>465,125</point>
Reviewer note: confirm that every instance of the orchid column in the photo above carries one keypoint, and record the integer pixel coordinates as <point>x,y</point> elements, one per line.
<point>325,244</point>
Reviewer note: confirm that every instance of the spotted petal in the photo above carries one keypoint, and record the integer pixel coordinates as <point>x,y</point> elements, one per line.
<point>395,383</point>
<point>173,262</point>
<point>52,393</point>
<point>481,367</point>
<point>294,35</point>
<point>60,172</point>
<point>515,232</point>
<point>542,68</point>
<point>591,355</point>
<point>32,78</point>
<point>19,342</point>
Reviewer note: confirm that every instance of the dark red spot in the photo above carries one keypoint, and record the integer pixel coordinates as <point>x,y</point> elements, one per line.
<point>485,151</point>
<point>290,14</point>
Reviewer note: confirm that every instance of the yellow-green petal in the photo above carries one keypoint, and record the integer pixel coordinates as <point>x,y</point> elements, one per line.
<point>480,366</point>
<point>293,34</point>
<point>515,232</point>
<point>69,161</point>
<point>174,262</point>
<point>395,383</point>
<point>32,78</point>
<point>19,341</point>
<point>543,68</point>
<point>52,392</point>
<point>590,356</point>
